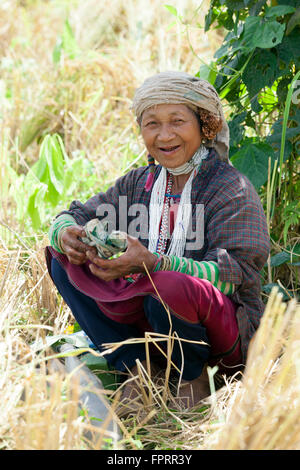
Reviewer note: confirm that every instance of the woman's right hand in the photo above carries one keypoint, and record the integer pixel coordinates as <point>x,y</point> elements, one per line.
<point>73,248</point>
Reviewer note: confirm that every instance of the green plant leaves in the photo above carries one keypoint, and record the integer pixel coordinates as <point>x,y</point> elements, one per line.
<point>50,166</point>
<point>252,159</point>
<point>34,207</point>
<point>261,71</point>
<point>260,33</point>
<point>51,181</point>
<point>286,294</point>
<point>236,129</point>
<point>288,50</point>
<point>66,43</point>
<point>279,10</point>
<point>208,72</point>
<point>291,256</point>
<point>258,73</point>
<point>172,10</point>
<point>293,22</point>
<point>45,180</point>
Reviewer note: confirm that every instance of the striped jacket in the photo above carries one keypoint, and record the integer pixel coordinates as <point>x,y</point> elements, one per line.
<point>233,222</point>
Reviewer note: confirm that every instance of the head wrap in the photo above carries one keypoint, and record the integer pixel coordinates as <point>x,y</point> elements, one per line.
<point>182,88</point>
<point>178,88</point>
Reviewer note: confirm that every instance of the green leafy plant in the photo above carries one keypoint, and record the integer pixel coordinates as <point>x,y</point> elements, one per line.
<point>257,66</point>
<point>49,182</point>
<point>256,71</point>
<point>66,43</point>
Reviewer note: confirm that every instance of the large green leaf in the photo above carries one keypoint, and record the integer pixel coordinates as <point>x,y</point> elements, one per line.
<point>288,50</point>
<point>49,169</point>
<point>279,10</point>
<point>69,43</point>
<point>51,152</point>
<point>208,72</point>
<point>292,256</point>
<point>35,204</point>
<point>261,71</point>
<point>252,159</point>
<point>260,33</point>
<point>293,21</point>
<point>236,129</point>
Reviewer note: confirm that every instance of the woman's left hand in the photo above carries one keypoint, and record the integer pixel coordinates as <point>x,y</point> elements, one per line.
<point>134,260</point>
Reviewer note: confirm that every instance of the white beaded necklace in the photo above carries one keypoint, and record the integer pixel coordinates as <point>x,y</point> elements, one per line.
<point>159,207</point>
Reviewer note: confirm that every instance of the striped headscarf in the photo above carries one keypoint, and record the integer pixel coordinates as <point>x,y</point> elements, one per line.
<point>182,88</point>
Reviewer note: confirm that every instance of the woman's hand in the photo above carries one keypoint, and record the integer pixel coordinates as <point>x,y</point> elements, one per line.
<point>132,261</point>
<point>73,248</point>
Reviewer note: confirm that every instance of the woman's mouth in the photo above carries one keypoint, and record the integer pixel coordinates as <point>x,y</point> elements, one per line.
<point>169,150</point>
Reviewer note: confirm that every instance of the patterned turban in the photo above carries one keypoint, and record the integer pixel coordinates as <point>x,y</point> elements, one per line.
<point>182,88</point>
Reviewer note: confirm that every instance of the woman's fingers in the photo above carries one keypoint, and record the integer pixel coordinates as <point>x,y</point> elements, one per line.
<point>133,260</point>
<point>76,258</point>
<point>101,262</point>
<point>70,238</point>
<point>107,269</point>
<point>74,248</point>
<point>105,275</point>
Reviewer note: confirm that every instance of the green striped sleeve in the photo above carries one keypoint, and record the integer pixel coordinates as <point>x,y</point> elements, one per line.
<point>202,269</point>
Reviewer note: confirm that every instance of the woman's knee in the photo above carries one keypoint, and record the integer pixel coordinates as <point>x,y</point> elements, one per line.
<point>55,270</point>
<point>152,306</point>
<point>149,302</point>
<point>58,274</point>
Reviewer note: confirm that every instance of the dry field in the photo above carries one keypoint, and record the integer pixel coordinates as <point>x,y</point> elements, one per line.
<point>71,67</point>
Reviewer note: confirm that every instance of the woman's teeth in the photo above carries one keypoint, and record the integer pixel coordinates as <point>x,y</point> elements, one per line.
<point>169,149</point>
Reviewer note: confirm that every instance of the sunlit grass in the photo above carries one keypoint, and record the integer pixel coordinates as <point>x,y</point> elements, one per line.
<point>79,83</point>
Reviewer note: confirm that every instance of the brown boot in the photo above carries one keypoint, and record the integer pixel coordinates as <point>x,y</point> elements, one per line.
<point>191,392</point>
<point>131,401</point>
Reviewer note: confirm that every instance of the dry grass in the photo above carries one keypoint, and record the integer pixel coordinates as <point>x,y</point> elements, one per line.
<point>261,411</point>
<point>86,99</point>
<point>258,411</point>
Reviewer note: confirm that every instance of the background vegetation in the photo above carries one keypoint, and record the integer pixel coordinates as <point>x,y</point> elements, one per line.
<point>68,70</point>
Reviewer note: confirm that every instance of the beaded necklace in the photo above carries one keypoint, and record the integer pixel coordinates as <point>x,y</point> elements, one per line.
<point>159,208</point>
<point>163,232</point>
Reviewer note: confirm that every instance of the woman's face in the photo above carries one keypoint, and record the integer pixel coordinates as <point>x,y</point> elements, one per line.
<point>171,133</point>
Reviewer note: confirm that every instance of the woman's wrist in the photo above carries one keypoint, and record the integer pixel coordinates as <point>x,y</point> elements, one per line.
<point>59,225</point>
<point>153,261</point>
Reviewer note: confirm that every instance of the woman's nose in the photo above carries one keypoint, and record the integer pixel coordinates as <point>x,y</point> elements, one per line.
<point>166,133</point>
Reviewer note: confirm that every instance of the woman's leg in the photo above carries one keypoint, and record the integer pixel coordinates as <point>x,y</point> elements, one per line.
<point>199,311</point>
<point>99,328</point>
<point>192,356</point>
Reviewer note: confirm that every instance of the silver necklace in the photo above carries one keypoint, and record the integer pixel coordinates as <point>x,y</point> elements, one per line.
<point>200,154</point>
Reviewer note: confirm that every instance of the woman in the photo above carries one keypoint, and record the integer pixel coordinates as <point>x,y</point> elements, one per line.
<point>202,240</point>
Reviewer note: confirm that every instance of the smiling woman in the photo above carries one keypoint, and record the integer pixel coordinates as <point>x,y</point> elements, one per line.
<point>206,244</point>
<point>171,133</point>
